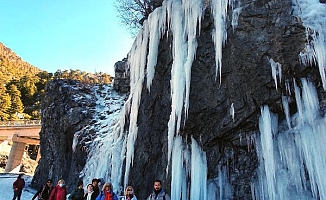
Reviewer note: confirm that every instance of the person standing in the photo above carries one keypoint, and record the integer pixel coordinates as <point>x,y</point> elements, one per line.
<point>96,189</point>
<point>100,182</point>
<point>158,192</point>
<point>107,193</point>
<point>59,192</point>
<point>44,192</point>
<point>129,194</point>
<point>18,186</point>
<point>78,193</point>
<point>90,195</point>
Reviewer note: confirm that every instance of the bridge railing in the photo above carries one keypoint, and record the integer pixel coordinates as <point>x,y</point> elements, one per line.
<point>21,123</point>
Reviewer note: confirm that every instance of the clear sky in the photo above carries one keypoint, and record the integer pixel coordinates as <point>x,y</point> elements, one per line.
<point>65,34</point>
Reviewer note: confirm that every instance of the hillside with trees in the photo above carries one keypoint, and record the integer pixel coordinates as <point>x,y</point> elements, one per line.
<point>22,85</point>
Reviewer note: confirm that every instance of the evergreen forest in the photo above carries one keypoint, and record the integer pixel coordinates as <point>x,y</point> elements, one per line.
<point>22,85</point>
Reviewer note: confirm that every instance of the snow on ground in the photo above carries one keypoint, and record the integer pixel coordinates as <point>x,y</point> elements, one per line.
<point>6,191</point>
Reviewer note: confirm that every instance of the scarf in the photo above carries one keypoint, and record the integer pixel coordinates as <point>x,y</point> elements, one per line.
<point>89,195</point>
<point>108,196</point>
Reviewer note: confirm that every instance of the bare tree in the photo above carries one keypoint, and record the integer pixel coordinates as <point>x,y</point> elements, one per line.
<point>134,12</point>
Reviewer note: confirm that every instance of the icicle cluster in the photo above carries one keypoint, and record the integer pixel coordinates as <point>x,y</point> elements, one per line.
<point>219,35</point>
<point>188,163</point>
<point>313,16</point>
<point>292,162</point>
<point>181,19</point>
<point>276,71</point>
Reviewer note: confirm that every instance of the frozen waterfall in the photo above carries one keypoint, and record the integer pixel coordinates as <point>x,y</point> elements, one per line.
<point>290,165</point>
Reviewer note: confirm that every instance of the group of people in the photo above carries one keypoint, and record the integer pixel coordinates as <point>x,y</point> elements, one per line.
<point>93,191</point>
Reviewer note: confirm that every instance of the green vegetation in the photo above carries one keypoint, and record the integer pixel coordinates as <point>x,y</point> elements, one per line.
<point>22,85</point>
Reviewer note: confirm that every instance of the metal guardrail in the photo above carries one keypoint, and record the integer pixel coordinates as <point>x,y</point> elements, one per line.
<point>20,123</point>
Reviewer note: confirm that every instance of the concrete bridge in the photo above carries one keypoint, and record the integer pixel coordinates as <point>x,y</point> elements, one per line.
<point>20,133</point>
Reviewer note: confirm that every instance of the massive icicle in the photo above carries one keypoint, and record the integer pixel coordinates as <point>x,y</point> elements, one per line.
<point>183,17</point>
<point>265,149</point>
<point>137,61</point>
<point>198,188</point>
<point>179,174</point>
<point>185,163</point>
<point>157,24</point>
<point>219,11</point>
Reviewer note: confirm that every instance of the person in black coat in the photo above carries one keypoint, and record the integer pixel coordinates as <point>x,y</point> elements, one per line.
<point>96,189</point>
<point>78,193</point>
<point>44,192</point>
<point>90,194</point>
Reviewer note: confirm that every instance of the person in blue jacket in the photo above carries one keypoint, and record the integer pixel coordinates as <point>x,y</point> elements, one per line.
<point>107,193</point>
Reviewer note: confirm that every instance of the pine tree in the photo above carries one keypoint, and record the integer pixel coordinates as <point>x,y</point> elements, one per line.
<point>16,103</point>
<point>5,103</point>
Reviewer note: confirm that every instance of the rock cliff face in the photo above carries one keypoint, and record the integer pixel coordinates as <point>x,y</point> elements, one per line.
<point>122,77</point>
<point>67,108</point>
<point>266,29</point>
<point>73,115</point>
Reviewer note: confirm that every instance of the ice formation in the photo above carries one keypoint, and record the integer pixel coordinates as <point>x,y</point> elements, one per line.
<point>281,153</point>
<point>291,165</point>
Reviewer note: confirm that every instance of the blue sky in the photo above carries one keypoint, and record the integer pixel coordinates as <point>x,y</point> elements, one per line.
<point>65,34</point>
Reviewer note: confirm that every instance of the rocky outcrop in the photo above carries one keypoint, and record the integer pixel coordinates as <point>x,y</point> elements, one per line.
<point>122,76</point>
<point>67,108</point>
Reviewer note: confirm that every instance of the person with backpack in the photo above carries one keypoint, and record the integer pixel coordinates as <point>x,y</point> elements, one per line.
<point>44,192</point>
<point>78,193</point>
<point>158,192</point>
<point>107,193</point>
<point>18,186</point>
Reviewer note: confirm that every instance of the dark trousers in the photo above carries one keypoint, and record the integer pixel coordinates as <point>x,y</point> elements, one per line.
<point>17,193</point>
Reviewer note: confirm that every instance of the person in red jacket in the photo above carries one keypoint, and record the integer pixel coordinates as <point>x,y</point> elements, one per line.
<point>59,192</point>
<point>18,186</point>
